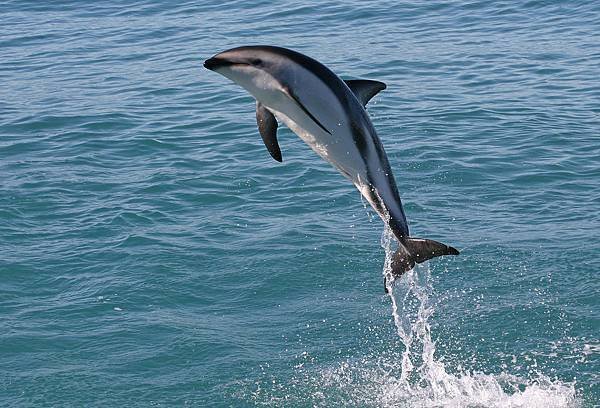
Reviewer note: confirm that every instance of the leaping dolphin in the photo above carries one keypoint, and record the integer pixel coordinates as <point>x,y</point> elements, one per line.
<point>329,114</point>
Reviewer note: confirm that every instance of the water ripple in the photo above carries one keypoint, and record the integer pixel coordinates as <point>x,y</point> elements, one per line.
<point>152,251</point>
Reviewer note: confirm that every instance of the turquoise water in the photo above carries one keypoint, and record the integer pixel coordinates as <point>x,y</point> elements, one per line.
<point>153,254</point>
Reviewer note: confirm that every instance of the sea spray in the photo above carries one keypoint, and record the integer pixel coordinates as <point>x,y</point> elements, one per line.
<point>401,370</point>
<point>424,381</point>
<point>411,310</point>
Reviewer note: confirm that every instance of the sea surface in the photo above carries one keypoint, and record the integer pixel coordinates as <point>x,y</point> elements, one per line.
<point>153,254</point>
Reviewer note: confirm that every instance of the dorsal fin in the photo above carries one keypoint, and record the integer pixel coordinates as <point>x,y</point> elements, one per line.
<point>365,89</point>
<point>267,126</point>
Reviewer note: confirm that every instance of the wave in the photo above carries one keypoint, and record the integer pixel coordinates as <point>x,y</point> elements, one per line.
<point>415,376</point>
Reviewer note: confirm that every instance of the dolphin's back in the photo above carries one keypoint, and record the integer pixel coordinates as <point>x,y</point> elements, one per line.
<point>348,141</point>
<point>323,111</point>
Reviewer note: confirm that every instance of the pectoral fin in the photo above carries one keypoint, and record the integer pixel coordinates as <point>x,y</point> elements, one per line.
<point>365,89</point>
<point>267,126</point>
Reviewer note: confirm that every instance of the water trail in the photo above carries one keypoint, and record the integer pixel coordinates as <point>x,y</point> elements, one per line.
<point>424,381</point>
<point>381,378</point>
<point>411,317</point>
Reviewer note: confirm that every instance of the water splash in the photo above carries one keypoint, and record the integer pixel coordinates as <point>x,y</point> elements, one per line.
<point>409,376</point>
<point>411,315</point>
<point>424,380</point>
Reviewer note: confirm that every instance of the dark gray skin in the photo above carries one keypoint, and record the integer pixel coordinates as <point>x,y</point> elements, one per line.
<point>329,115</point>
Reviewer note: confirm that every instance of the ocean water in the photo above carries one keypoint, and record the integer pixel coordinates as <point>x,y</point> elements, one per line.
<point>153,254</point>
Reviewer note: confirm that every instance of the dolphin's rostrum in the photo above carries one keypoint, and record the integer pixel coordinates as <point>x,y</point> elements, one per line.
<point>329,115</point>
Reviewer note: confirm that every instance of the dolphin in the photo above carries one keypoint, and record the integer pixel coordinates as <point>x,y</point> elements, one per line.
<point>329,114</point>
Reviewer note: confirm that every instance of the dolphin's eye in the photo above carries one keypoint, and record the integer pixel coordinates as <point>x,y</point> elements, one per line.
<point>256,62</point>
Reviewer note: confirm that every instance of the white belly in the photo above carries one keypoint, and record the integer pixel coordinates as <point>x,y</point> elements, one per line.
<point>337,148</point>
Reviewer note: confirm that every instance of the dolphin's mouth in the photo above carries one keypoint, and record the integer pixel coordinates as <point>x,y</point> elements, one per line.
<point>214,63</point>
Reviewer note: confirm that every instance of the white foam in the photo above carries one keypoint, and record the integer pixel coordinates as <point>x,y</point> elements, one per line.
<point>376,386</point>
<point>415,376</point>
<point>424,380</point>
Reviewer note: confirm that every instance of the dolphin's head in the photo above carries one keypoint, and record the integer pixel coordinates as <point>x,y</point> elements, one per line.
<point>261,70</point>
<point>242,59</point>
<point>282,80</point>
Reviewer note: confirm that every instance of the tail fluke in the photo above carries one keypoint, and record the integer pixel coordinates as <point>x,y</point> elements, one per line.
<point>416,250</point>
